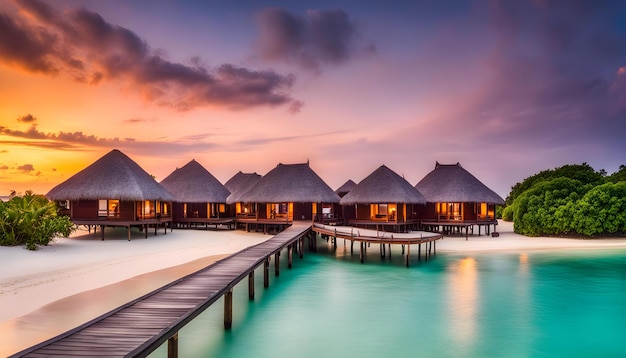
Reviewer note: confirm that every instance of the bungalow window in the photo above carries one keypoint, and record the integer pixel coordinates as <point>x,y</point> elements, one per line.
<point>114,208</point>
<point>102,208</point>
<point>109,208</point>
<point>378,211</point>
<point>278,210</point>
<point>327,211</point>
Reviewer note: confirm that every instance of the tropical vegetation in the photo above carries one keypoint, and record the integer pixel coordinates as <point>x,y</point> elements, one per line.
<point>31,220</point>
<point>570,200</point>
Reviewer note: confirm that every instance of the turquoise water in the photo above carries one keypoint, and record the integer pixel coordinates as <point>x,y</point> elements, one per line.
<point>533,304</point>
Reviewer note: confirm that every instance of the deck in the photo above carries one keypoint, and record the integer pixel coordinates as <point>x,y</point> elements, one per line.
<point>139,327</point>
<point>367,236</point>
<point>143,224</point>
<point>206,222</point>
<point>450,226</point>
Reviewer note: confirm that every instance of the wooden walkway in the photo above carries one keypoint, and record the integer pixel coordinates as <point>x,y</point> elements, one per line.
<point>367,236</point>
<point>141,326</point>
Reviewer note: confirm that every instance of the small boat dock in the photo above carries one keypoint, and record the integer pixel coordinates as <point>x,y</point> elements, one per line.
<point>366,237</point>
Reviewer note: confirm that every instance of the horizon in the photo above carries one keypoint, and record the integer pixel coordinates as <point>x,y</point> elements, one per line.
<point>506,89</point>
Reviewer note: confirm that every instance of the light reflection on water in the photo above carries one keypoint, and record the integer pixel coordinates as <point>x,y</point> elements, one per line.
<point>539,304</point>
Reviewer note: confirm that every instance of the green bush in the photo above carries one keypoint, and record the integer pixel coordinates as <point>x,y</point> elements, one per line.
<point>547,207</point>
<point>31,220</point>
<point>601,210</point>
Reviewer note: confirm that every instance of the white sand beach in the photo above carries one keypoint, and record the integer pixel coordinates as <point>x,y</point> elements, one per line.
<point>44,293</point>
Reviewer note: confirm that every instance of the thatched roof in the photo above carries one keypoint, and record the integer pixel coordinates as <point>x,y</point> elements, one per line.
<point>452,183</point>
<point>239,184</point>
<point>194,184</point>
<point>383,186</point>
<point>296,183</point>
<point>114,176</point>
<point>345,188</point>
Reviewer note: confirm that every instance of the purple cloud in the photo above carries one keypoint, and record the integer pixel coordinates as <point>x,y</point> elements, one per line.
<point>318,38</point>
<point>94,50</point>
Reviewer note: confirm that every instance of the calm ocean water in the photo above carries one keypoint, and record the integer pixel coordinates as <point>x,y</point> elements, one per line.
<point>533,304</point>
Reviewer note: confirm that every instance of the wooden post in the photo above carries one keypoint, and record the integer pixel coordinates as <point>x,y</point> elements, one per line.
<point>277,263</point>
<point>408,254</point>
<point>419,252</point>
<point>362,244</point>
<point>128,232</point>
<point>466,233</point>
<point>146,230</point>
<point>289,255</point>
<point>172,346</point>
<point>266,272</point>
<point>435,247</point>
<point>301,250</point>
<point>228,309</point>
<point>102,230</point>
<point>251,285</point>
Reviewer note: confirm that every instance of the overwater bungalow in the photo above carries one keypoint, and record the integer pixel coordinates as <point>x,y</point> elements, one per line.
<point>238,185</point>
<point>199,198</point>
<point>383,200</point>
<point>288,192</point>
<point>114,191</point>
<point>456,200</point>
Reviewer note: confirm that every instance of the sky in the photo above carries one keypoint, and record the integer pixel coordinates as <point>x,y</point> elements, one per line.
<point>506,88</point>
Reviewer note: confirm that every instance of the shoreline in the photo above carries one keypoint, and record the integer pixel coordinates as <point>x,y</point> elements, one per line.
<point>68,283</point>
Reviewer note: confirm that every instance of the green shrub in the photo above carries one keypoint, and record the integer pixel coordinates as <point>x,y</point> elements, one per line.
<point>547,207</point>
<point>31,220</point>
<point>601,210</point>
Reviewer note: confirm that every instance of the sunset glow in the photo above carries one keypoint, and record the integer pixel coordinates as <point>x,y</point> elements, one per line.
<point>507,88</point>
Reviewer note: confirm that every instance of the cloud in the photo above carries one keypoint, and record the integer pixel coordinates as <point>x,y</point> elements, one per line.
<point>29,118</point>
<point>318,38</point>
<point>77,141</point>
<point>138,120</point>
<point>83,45</point>
<point>25,168</point>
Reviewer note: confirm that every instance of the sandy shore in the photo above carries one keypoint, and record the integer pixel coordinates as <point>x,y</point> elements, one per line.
<point>47,292</point>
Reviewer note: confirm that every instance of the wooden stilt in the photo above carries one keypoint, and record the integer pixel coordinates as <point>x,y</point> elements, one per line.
<point>434,247</point>
<point>172,346</point>
<point>228,309</point>
<point>128,232</point>
<point>301,251</point>
<point>362,244</point>
<point>145,231</point>
<point>289,255</point>
<point>466,233</point>
<point>277,263</point>
<point>351,246</point>
<point>102,231</point>
<point>251,285</point>
<point>408,255</point>
<point>266,272</point>
<point>419,252</point>
<point>402,249</point>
